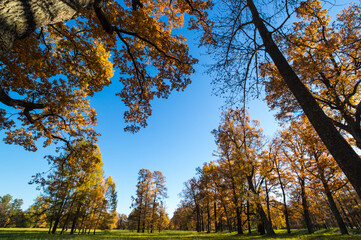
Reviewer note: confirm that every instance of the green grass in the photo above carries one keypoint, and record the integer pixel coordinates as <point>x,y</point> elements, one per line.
<point>31,233</point>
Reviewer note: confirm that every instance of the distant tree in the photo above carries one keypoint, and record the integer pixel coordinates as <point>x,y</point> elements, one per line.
<point>231,172</point>
<point>245,139</point>
<point>183,218</point>
<point>295,155</point>
<point>141,201</point>
<point>78,194</point>
<point>148,202</point>
<point>11,213</point>
<point>277,159</point>
<point>164,222</point>
<point>122,221</point>
<point>191,197</point>
<point>38,212</point>
<point>159,192</point>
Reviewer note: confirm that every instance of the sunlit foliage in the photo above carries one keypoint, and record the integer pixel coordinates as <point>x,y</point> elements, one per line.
<point>47,79</point>
<point>76,193</point>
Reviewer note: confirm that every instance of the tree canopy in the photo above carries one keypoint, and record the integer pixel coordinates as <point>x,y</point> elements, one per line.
<point>54,67</point>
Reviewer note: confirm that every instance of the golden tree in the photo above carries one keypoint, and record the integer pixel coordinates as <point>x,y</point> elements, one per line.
<point>50,67</point>
<point>248,28</point>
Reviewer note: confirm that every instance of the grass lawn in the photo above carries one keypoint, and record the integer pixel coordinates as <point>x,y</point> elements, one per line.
<point>31,233</point>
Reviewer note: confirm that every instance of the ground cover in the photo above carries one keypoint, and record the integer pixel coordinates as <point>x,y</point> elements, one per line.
<point>31,233</point>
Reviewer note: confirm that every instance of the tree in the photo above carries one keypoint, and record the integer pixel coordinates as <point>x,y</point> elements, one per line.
<point>50,67</point>
<point>10,212</point>
<point>141,203</point>
<point>245,139</point>
<point>322,167</point>
<point>37,212</point>
<point>159,192</point>
<point>294,151</point>
<point>275,156</point>
<point>122,222</point>
<point>76,191</point>
<point>148,204</point>
<point>192,198</point>
<point>242,33</point>
<point>331,72</point>
<point>231,172</point>
<point>183,218</point>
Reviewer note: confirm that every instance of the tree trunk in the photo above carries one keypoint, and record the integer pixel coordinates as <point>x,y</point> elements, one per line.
<point>345,215</point>
<point>75,219</point>
<point>215,216</point>
<point>239,219</point>
<point>139,215</point>
<point>248,219</point>
<point>262,214</point>
<point>202,221</point>
<point>20,18</point>
<point>198,219</point>
<point>58,216</point>
<point>284,202</point>
<point>333,207</point>
<point>208,218</point>
<point>348,160</point>
<point>238,208</point>
<point>50,224</point>
<point>306,214</point>
<point>229,224</point>
<point>267,202</point>
<point>68,215</point>
<point>153,213</point>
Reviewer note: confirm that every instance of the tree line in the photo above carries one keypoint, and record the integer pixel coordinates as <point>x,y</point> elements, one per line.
<point>290,181</point>
<point>77,198</point>
<point>75,195</point>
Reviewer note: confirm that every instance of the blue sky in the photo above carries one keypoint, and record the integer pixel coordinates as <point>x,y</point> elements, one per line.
<point>176,141</point>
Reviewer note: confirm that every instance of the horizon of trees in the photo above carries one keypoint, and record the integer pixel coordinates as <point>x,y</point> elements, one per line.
<point>77,198</point>
<point>291,181</point>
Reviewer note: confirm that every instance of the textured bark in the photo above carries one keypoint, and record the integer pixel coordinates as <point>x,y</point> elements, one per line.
<point>20,18</point>
<point>348,160</point>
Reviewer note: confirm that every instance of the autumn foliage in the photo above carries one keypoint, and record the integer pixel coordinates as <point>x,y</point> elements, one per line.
<point>290,182</point>
<point>48,78</point>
